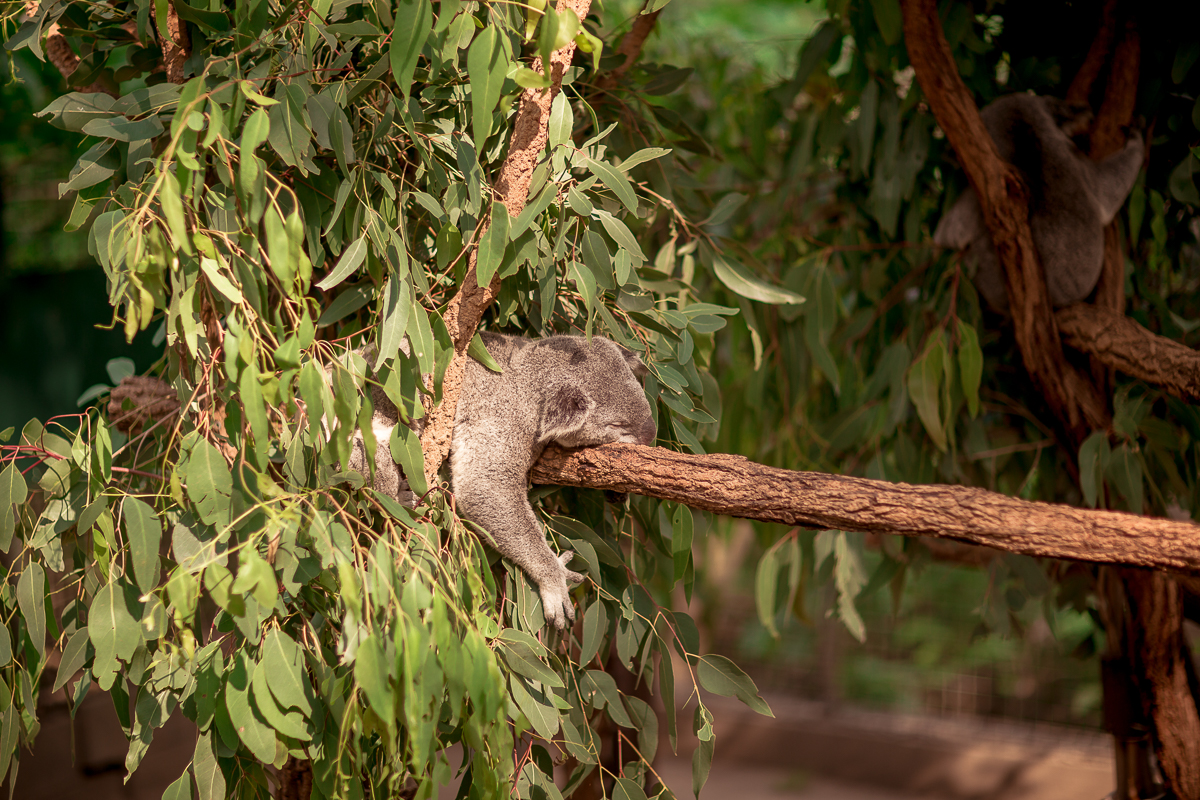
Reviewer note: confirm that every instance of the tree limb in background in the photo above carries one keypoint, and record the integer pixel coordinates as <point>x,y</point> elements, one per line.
<point>1107,137</point>
<point>1156,607</point>
<point>631,47</point>
<point>737,487</point>
<point>1075,401</point>
<point>1117,341</point>
<point>462,314</point>
<point>1097,57</point>
<point>60,54</point>
<point>1004,200</point>
<point>176,46</point>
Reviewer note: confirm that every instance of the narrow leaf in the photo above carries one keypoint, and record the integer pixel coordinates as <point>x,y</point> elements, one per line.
<point>405,446</point>
<point>616,181</point>
<point>352,257</point>
<point>144,530</point>
<point>970,365</point>
<point>398,301</point>
<point>924,387</point>
<point>371,672</point>
<point>31,598</point>
<point>492,245</point>
<point>740,281</point>
<point>721,676</point>
<point>414,20</point>
<point>486,68</point>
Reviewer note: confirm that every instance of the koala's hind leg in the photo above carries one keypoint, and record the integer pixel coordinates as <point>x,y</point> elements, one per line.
<point>491,490</point>
<point>515,531</point>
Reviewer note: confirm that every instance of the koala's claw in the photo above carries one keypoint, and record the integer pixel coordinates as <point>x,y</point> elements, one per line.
<point>564,558</point>
<point>557,607</point>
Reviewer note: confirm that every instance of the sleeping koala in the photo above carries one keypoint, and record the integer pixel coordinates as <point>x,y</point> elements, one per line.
<point>1071,198</point>
<point>564,390</point>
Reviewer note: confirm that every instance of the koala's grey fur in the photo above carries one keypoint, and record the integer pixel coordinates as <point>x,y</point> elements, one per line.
<point>388,478</point>
<point>1072,198</point>
<point>563,389</point>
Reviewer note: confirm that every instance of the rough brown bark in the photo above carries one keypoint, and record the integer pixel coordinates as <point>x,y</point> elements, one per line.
<point>1107,137</point>
<point>1003,197</point>
<point>1122,344</point>
<point>1145,631</point>
<point>1156,606</point>
<point>462,314</point>
<point>60,54</point>
<point>177,47</point>
<point>295,780</point>
<point>1093,63</point>
<point>1120,96</point>
<point>738,487</point>
<point>631,47</point>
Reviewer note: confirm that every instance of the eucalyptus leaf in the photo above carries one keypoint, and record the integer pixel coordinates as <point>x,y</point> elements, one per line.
<point>487,65</point>
<point>414,20</point>
<point>144,530</point>
<point>740,281</point>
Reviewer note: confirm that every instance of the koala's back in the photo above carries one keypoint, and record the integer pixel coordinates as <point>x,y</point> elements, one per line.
<point>539,381</point>
<point>1072,198</point>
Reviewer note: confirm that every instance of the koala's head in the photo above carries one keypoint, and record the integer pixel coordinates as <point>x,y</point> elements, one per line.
<point>1073,119</point>
<point>594,394</point>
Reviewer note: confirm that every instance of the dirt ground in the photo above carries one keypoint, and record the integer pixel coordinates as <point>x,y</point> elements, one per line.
<point>804,753</point>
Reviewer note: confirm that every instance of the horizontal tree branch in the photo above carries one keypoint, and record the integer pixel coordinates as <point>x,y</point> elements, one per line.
<point>1119,342</point>
<point>737,487</point>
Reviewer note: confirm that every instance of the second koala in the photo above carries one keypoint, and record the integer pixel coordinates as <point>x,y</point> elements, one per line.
<point>563,390</point>
<point>1071,198</point>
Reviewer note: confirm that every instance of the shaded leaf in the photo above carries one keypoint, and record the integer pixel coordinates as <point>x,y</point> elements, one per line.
<point>414,20</point>
<point>371,672</point>
<point>615,181</point>
<point>721,676</point>
<point>970,365</point>
<point>925,378</point>
<point>144,530</point>
<point>31,598</point>
<point>740,281</point>
<point>248,723</point>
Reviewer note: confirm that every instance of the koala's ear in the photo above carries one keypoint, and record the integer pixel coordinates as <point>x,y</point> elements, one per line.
<point>636,365</point>
<point>566,409</point>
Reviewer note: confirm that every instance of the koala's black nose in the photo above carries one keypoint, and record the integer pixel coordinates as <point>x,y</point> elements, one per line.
<point>647,433</point>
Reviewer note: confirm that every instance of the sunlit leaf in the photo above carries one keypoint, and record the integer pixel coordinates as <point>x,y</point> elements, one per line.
<point>414,19</point>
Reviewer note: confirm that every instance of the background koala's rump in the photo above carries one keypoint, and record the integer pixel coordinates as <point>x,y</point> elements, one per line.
<point>1072,198</point>
<point>388,477</point>
<point>563,390</point>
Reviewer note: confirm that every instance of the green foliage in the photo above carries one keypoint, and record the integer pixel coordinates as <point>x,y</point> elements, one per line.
<point>309,186</point>
<point>833,179</point>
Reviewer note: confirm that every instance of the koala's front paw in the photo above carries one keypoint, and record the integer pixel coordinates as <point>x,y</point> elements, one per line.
<point>556,602</point>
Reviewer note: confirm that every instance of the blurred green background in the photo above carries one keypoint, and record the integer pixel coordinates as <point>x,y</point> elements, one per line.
<point>928,653</point>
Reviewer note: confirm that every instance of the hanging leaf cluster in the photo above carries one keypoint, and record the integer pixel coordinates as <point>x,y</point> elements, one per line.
<point>319,180</point>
